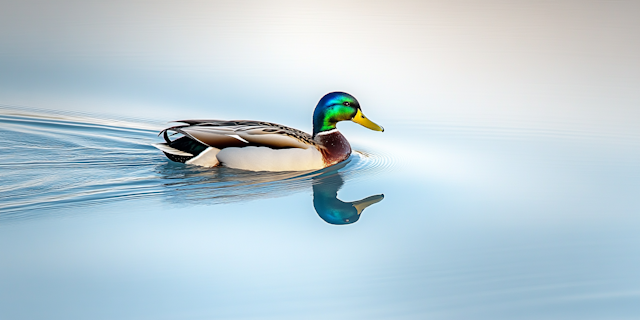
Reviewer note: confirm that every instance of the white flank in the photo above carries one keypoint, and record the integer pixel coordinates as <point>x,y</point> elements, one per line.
<point>164,147</point>
<point>267,159</point>
<point>206,158</point>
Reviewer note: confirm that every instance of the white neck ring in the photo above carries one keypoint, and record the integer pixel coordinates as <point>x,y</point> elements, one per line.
<point>327,132</point>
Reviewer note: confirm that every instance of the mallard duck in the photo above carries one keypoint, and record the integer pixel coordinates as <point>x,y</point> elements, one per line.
<point>266,146</point>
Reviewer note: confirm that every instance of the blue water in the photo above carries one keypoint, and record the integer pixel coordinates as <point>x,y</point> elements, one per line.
<point>473,223</point>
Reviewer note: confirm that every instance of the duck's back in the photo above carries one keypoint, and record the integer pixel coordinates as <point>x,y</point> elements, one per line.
<point>243,144</point>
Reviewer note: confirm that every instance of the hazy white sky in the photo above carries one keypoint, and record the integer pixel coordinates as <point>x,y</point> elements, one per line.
<point>498,61</point>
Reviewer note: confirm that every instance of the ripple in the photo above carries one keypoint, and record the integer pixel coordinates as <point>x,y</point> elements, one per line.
<point>223,185</point>
<point>370,163</point>
<point>60,160</point>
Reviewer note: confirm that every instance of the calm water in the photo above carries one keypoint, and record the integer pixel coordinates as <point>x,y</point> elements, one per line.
<point>491,223</point>
<point>506,183</point>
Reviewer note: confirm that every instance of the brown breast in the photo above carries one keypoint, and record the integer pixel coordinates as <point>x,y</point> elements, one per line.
<point>334,147</point>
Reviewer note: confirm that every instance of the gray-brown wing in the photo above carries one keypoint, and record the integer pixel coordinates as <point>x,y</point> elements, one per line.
<point>241,133</point>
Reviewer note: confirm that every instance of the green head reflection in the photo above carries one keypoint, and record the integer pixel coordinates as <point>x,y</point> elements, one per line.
<point>333,210</point>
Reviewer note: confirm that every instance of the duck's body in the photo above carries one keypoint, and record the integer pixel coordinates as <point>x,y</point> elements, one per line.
<point>265,146</point>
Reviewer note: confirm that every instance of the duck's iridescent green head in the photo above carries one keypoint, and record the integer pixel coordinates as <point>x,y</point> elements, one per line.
<point>339,106</point>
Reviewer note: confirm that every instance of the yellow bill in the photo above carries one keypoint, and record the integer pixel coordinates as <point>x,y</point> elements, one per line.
<point>360,205</point>
<point>360,119</point>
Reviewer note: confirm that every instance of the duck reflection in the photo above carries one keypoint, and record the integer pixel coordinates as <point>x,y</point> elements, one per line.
<point>333,210</point>
<point>224,185</point>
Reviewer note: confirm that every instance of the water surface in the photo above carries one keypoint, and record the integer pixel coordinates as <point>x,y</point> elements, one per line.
<point>474,222</point>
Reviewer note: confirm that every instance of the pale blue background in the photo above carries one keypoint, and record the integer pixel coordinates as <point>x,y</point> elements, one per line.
<point>509,161</point>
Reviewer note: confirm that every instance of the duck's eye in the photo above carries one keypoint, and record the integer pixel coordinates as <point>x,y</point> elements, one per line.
<point>346,103</point>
